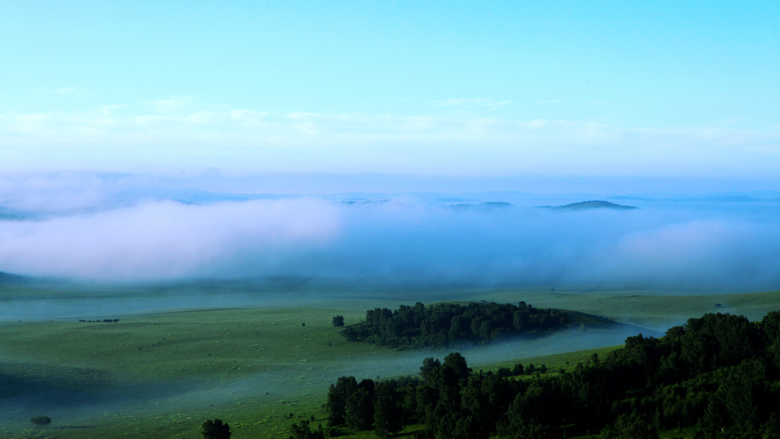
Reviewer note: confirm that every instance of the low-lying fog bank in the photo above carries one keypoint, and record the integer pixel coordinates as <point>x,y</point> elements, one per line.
<point>698,245</point>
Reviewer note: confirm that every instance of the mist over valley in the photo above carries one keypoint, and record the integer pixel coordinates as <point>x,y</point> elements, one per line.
<point>712,243</point>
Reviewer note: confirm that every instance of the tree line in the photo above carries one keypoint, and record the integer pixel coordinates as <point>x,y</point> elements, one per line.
<point>718,374</point>
<point>449,324</point>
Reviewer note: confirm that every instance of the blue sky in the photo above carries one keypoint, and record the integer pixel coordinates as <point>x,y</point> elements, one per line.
<point>657,89</point>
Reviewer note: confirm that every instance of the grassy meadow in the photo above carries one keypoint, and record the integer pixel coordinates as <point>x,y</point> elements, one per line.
<point>161,374</point>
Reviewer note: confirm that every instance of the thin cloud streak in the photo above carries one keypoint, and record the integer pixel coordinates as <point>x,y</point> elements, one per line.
<point>468,102</point>
<point>177,134</point>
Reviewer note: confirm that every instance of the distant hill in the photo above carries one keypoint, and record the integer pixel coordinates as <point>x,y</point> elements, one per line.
<point>362,202</point>
<point>7,214</point>
<point>594,322</point>
<point>12,279</point>
<point>488,206</point>
<point>595,204</point>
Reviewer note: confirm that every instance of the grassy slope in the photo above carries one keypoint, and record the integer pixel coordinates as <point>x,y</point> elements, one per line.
<point>222,357</point>
<point>250,367</point>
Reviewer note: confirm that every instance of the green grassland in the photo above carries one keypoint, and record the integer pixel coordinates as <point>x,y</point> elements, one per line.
<point>160,375</point>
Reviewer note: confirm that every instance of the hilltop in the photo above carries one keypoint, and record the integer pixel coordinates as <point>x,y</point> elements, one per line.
<point>594,204</point>
<point>12,279</point>
<point>7,214</point>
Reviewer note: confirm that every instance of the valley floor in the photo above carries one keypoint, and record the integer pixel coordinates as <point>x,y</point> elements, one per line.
<point>261,368</point>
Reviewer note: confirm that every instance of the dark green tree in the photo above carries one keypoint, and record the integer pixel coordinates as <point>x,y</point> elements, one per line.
<point>479,413</point>
<point>428,365</point>
<point>338,394</point>
<point>446,426</point>
<point>455,368</point>
<point>426,400</point>
<point>409,404</point>
<point>743,393</point>
<point>41,420</point>
<point>388,416</point>
<point>631,426</point>
<point>215,429</point>
<point>360,407</point>
<point>303,431</point>
<point>770,324</point>
<point>338,321</point>
<point>470,427</point>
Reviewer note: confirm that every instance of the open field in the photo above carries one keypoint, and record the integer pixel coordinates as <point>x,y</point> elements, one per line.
<point>161,374</point>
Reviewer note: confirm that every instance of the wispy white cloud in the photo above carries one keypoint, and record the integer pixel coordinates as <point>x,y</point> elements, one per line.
<point>67,91</point>
<point>108,109</point>
<point>108,124</point>
<point>606,103</point>
<point>497,104</point>
<point>459,101</point>
<point>248,117</point>
<point>473,102</point>
<point>174,104</point>
<point>180,126</point>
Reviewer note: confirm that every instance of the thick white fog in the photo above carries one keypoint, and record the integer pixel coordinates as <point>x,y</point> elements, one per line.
<point>74,230</point>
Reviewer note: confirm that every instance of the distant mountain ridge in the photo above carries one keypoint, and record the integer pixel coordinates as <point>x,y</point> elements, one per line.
<point>486,206</point>
<point>11,279</point>
<point>7,214</point>
<point>593,204</point>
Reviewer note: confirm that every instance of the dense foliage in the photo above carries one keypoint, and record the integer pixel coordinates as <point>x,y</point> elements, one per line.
<point>41,420</point>
<point>447,324</point>
<point>215,429</point>
<point>719,373</point>
<point>303,431</point>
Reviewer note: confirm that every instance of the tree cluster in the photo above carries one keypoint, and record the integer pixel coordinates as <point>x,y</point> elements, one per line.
<point>448,324</point>
<point>215,429</point>
<point>304,431</point>
<point>719,374</point>
<point>41,420</point>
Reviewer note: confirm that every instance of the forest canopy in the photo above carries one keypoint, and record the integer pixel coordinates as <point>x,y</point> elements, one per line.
<point>449,324</point>
<point>718,374</point>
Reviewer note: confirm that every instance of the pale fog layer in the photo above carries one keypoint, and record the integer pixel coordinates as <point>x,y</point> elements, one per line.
<point>99,229</point>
